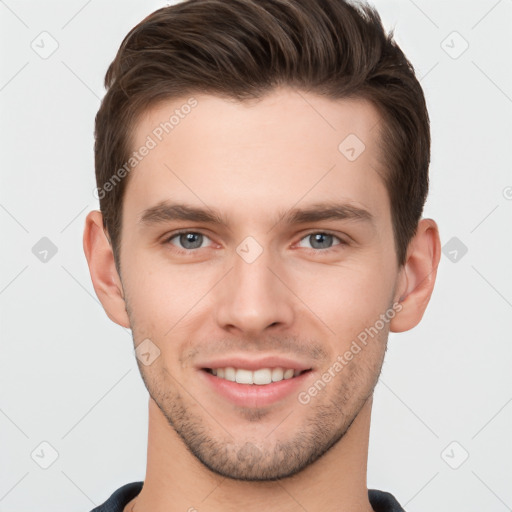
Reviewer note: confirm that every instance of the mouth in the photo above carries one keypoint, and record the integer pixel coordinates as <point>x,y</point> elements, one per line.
<point>258,388</point>
<point>259,377</point>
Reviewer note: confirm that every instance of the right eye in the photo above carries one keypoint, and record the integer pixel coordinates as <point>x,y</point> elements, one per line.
<point>188,240</point>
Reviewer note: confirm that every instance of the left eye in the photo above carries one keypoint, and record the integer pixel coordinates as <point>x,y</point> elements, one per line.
<point>322,240</point>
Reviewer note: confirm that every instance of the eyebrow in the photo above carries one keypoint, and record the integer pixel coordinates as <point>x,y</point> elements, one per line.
<point>166,211</point>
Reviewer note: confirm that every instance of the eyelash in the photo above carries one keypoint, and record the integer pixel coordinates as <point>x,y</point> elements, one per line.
<point>173,235</point>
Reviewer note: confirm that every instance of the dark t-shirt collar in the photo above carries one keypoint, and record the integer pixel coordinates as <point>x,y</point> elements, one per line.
<point>380,501</point>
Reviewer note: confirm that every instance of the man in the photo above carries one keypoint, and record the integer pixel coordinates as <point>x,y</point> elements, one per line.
<point>262,167</point>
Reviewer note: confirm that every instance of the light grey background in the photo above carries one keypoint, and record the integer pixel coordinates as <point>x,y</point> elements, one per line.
<point>68,374</point>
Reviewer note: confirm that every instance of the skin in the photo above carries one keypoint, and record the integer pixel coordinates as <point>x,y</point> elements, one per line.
<point>251,161</point>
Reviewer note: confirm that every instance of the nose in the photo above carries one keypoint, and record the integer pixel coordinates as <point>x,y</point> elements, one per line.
<point>254,297</point>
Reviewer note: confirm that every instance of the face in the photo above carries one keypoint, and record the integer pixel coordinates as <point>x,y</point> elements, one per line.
<point>290,262</point>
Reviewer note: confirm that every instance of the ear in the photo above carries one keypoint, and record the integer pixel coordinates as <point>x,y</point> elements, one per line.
<point>418,276</point>
<point>105,279</point>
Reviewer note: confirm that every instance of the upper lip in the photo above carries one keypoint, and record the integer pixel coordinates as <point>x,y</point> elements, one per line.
<point>255,363</point>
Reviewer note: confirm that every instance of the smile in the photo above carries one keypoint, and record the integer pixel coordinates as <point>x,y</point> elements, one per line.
<point>259,377</point>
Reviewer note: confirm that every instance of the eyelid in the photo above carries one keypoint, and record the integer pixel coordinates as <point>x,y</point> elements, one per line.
<point>324,232</point>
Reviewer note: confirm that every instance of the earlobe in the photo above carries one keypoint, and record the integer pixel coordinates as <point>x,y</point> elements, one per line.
<point>105,279</point>
<point>418,276</point>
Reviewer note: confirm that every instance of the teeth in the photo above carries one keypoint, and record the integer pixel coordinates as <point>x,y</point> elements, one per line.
<point>263,376</point>
<point>288,374</point>
<point>242,376</point>
<point>277,374</point>
<point>230,374</point>
<point>259,377</point>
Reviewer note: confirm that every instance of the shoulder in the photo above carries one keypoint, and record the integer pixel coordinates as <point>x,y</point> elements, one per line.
<point>382,501</point>
<point>120,498</point>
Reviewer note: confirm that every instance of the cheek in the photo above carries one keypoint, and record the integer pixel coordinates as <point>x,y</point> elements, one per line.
<point>162,295</point>
<point>347,298</point>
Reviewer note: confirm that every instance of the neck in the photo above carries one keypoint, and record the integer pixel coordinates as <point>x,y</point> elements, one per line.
<point>177,481</point>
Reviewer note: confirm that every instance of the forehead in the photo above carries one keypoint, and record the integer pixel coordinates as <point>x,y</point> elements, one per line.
<point>286,148</point>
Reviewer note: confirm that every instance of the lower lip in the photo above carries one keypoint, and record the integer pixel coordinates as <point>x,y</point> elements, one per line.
<point>255,395</point>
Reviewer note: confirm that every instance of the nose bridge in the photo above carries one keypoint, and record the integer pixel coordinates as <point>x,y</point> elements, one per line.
<point>253,297</point>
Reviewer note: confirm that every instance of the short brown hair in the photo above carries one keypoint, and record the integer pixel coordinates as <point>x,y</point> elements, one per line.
<point>243,49</point>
